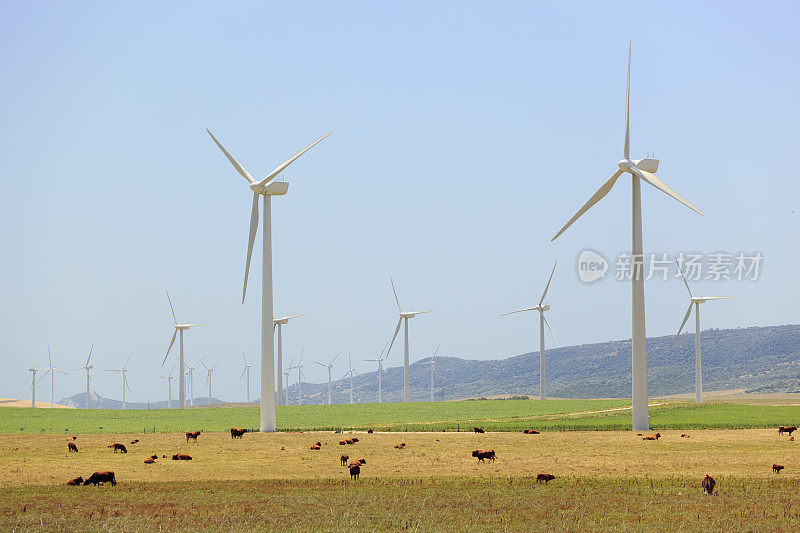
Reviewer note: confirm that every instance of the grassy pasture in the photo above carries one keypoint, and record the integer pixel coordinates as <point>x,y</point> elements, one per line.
<point>494,415</point>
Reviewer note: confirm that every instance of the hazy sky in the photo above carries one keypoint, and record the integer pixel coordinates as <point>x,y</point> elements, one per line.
<point>465,135</point>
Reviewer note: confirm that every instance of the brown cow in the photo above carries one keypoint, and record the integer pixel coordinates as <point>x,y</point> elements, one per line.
<point>652,437</point>
<point>315,447</point>
<point>153,457</point>
<point>547,478</point>
<point>118,447</point>
<point>71,447</point>
<point>362,461</point>
<point>74,437</point>
<point>344,459</point>
<point>531,432</point>
<point>370,431</point>
<point>400,446</point>
<point>77,481</point>
<point>786,429</point>
<point>484,454</point>
<point>342,442</point>
<point>192,435</point>
<point>685,436</point>
<point>355,470</point>
<point>149,461</point>
<point>237,433</point>
<point>134,441</point>
<point>791,439</point>
<point>777,468</point>
<point>101,477</point>
<point>708,484</point>
<point>181,457</point>
<point>478,430</point>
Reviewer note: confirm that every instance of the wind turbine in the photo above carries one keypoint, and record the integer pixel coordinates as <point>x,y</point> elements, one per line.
<point>379,360</point>
<point>286,376</point>
<point>542,321</point>
<point>267,190</point>
<point>300,376</point>
<point>350,373</point>
<point>87,367</point>
<point>403,316</point>
<point>329,366</point>
<point>433,368</point>
<point>210,371</point>
<point>280,322</point>
<point>124,371</point>
<point>33,371</point>
<point>640,170</point>
<point>181,374</point>
<point>247,367</point>
<point>191,380</point>
<point>696,301</point>
<point>169,379</point>
<point>52,371</point>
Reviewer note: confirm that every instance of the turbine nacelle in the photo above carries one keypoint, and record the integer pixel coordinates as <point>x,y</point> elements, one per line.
<point>412,314</point>
<point>273,188</point>
<point>544,308</point>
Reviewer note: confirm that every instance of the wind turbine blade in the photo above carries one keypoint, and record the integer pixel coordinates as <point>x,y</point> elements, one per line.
<point>125,378</point>
<point>394,337</point>
<point>707,298</point>
<point>244,358</point>
<point>684,279</point>
<point>291,160</point>
<point>435,352</point>
<point>128,360</point>
<point>243,371</point>
<point>170,347</point>
<point>193,325</point>
<point>321,364</point>
<point>171,369</point>
<point>171,308</point>
<point>522,310</point>
<point>293,316</point>
<point>90,355</point>
<point>685,318</point>
<point>627,149</point>
<point>334,359</point>
<point>601,192</point>
<point>551,329</point>
<point>202,363</point>
<point>50,357</point>
<point>548,283</point>
<point>653,180</point>
<point>233,161</point>
<point>31,360</point>
<point>396,299</point>
<point>384,348</point>
<point>43,376</point>
<point>250,241</point>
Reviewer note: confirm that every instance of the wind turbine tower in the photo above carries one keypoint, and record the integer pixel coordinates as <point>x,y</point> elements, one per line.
<point>52,371</point>
<point>329,366</point>
<point>379,360</point>
<point>191,379</point>
<point>33,371</point>
<point>432,363</point>
<point>210,371</point>
<point>247,367</point>
<point>279,323</point>
<point>350,373</point>
<point>181,364</point>
<point>404,316</point>
<point>169,379</point>
<point>124,371</point>
<point>86,366</point>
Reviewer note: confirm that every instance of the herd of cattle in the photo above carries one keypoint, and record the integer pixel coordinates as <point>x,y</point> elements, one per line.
<point>98,478</point>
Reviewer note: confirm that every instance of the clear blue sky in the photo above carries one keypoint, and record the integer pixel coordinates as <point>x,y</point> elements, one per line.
<point>465,135</point>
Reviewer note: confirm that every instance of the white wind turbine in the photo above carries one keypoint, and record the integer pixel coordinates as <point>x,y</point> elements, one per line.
<point>181,373</point>
<point>52,371</point>
<point>542,321</point>
<point>379,360</point>
<point>286,377</point>
<point>350,373</point>
<point>191,368</point>
<point>87,367</point>
<point>329,366</point>
<point>246,370</point>
<point>300,376</point>
<point>169,379</point>
<point>640,170</point>
<point>33,371</point>
<point>124,371</point>
<point>432,362</point>
<point>267,190</point>
<point>210,371</point>
<point>280,322</point>
<point>696,301</point>
<point>403,316</point>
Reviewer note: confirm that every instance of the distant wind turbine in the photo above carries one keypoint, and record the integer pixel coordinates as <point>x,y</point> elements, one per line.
<point>300,376</point>
<point>33,371</point>
<point>542,321</point>
<point>350,373</point>
<point>280,322</point>
<point>696,301</point>
<point>87,367</point>
<point>640,170</point>
<point>247,367</point>
<point>267,190</point>
<point>404,315</point>
<point>124,371</point>
<point>379,360</point>
<point>169,379</point>
<point>52,371</point>
<point>432,362</point>
<point>191,368</point>
<point>286,377</point>
<point>210,371</point>
<point>182,373</point>
<point>329,366</point>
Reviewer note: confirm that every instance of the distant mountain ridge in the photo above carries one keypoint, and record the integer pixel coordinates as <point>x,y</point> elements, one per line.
<point>98,402</point>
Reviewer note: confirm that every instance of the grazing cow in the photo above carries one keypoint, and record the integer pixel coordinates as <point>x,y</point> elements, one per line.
<point>118,447</point>
<point>531,432</point>
<point>544,477</point>
<point>77,481</point>
<point>708,484</point>
<point>791,439</point>
<point>315,447</point>
<point>362,461</point>
<point>638,434</point>
<point>318,443</point>
<point>153,457</point>
<point>685,436</point>
<point>74,437</point>
<point>283,448</point>
<point>237,433</point>
<point>134,441</point>
<point>370,431</point>
<point>71,447</point>
<point>344,459</point>
<point>342,442</point>
<point>478,430</point>
<point>355,470</point>
<point>786,429</point>
<point>777,468</point>
<point>192,435</point>
<point>163,456</point>
<point>149,461</point>
<point>181,457</point>
<point>101,477</point>
<point>401,446</point>
<point>484,454</point>
<point>652,437</point>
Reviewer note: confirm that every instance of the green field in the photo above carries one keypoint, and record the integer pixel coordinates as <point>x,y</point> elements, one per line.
<point>493,415</point>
